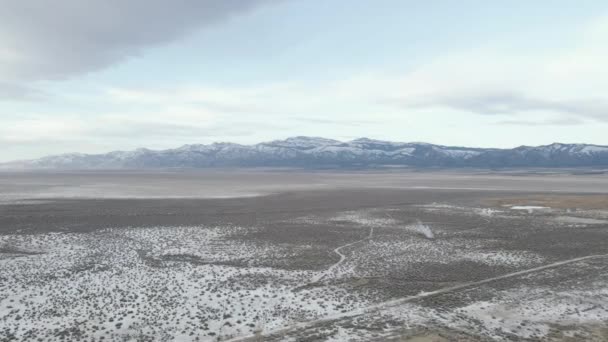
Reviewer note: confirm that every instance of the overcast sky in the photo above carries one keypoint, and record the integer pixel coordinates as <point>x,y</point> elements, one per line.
<point>100,75</point>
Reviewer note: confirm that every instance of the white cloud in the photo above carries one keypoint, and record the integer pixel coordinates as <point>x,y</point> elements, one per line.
<point>571,81</point>
<point>42,128</point>
<point>186,122</point>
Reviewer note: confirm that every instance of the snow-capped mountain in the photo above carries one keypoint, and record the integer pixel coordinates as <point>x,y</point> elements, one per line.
<point>321,152</point>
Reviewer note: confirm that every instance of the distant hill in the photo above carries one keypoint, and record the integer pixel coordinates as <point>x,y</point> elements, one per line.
<point>321,152</point>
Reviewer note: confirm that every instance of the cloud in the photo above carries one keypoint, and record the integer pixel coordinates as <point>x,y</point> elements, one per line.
<point>483,87</point>
<point>508,102</point>
<point>280,100</point>
<point>325,121</point>
<point>19,92</point>
<point>112,128</point>
<point>548,122</point>
<point>37,129</point>
<point>493,80</point>
<point>67,38</point>
<point>165,123</point>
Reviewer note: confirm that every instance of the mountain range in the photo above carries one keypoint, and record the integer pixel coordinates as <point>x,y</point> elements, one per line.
<point>320,152</point>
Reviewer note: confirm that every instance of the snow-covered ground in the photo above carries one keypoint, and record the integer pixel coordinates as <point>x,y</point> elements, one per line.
<point>186,282</point>
<point>548,303</point>
<point>209,282</point>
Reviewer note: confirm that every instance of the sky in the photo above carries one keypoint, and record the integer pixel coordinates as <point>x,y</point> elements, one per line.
<point>102,75</point>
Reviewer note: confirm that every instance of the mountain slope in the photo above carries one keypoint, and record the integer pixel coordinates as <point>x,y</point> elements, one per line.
<point>320,152</point>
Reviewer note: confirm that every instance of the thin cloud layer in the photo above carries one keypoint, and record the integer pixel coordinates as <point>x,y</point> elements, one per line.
<point>494,81</point>
<point>14,91</point>
<point>511,103</point>
<point>548,122</point>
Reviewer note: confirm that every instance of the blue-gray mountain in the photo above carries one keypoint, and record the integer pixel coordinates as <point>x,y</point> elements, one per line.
<point>320,152</point>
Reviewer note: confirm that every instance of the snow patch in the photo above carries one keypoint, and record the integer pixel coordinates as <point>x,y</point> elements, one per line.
<point>529,208</point>
<point>579,220</point>
<point>422,229</point>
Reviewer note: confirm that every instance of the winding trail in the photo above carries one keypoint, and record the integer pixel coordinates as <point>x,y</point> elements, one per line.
<point>342,256</point>
<point>399,301</point>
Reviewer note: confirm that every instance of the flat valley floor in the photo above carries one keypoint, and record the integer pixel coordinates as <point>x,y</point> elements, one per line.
<point>285,255</point>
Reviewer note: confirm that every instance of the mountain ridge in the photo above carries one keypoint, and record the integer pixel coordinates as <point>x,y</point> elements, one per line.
<point>303,151</point>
